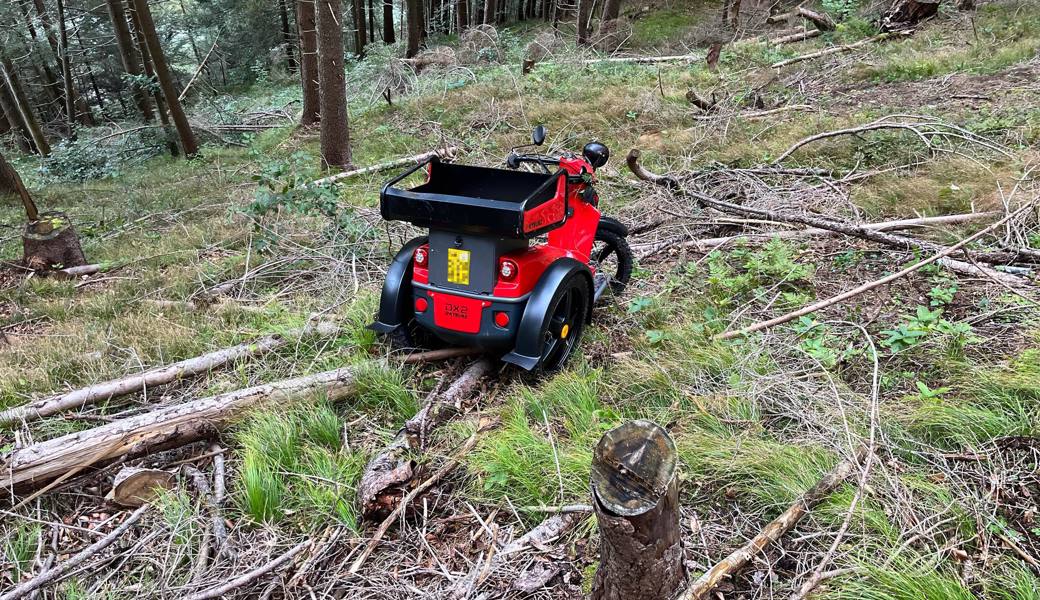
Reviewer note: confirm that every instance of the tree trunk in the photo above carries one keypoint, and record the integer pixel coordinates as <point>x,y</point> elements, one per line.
<point>335,131</point>
<point>21,101</point>
<point>611,10</point>
<point>371,22</point>
<point>462,14</point>
<point>8,106</point>
<point>635,494</point>
<point>287,41</point>
<point>66,71</point>
<point>11,183</point>
<point>490,12</point>
<point>162,71</point>
<point>36,465</point>
<point>904,14</point>
<point>308,62</point>
<point>149,71</point>
<point>51,86</point>
<point>414,27</point>
<point>360,27</point>
<point>388,21</point>
<point>190,34</point>
<point>50,242</point>
<point>98,98</point>
<point>584,8</point>
<point>128,54</point>
<point>70,95</point>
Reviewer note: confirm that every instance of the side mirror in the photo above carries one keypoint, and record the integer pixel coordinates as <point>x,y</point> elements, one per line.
<point>596,153</point>
<point>538,135</point>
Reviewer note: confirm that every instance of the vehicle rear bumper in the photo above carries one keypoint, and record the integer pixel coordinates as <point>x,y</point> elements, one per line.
<point>480,331</point>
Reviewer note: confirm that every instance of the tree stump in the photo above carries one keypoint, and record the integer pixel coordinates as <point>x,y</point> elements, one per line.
<point>904,14</point>
<point>50,242</point>
<point>635,494</point>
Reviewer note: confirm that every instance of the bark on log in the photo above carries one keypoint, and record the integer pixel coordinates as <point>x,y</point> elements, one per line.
<point>50,242</point>
<point>796,37</point>
<point>820,20</point>
<point>386,476</point>
<point>729,566</point>
<point>904,14</point>
<point>635,493</point>
<point>644,60</point>
<point>36,465</point>
<point>151,378</point>
<point>838,49</point>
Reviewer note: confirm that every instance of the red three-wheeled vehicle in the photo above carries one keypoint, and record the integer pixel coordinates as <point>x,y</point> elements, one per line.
<point>514,259</point>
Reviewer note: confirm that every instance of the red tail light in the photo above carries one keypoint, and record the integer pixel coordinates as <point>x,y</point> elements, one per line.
<point>502,319</point>
<point>508,269</point>
<point>422,255</point>
<point>421,305</point>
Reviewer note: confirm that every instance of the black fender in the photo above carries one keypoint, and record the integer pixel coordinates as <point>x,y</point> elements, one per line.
<point>613,225</point>
<point>527,351</point>
<point>395,303</point>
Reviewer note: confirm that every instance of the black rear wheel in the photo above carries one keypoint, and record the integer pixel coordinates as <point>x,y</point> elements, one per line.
<point>612,259</point>
<point>565,323</point>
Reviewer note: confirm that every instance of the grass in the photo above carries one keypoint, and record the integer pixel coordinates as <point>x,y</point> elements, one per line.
<point>296,466</point>
<point>750,418</point>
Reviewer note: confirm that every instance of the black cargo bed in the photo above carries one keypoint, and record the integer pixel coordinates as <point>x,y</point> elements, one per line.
<point>475,200</point>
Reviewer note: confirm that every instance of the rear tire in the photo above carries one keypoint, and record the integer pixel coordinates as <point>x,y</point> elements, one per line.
<point>612,258</point>
<point>564,324</point>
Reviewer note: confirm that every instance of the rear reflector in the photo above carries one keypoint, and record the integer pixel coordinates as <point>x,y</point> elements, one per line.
<point>502,319</point>
<point>421,304</point>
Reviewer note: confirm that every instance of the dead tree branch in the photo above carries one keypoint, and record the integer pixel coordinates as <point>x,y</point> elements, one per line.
<point>727,567</point>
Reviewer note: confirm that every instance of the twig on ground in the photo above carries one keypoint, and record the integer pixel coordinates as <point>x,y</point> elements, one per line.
<point>47,577</point>
<point>727,567</point>
<point>251,576</point>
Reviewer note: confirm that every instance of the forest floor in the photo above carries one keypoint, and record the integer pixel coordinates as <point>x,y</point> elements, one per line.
<point>938,372</point>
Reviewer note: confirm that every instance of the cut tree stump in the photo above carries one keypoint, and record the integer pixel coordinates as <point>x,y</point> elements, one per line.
<point>906,14</point>
<point>635,494</point>
<point>136,486</point>
<point>50,242</point>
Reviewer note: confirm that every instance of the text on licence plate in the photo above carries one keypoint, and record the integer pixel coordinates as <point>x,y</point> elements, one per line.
<point>458,266</point>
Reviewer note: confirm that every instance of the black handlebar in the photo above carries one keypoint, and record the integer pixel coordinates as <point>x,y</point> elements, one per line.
<point>514,160</point>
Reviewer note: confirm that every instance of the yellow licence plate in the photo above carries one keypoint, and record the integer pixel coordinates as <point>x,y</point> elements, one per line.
<point>458,266</point>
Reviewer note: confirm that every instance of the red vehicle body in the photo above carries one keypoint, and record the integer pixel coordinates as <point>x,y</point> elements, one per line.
<point>477,279</point>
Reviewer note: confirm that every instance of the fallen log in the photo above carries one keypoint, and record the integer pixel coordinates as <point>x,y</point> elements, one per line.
<point>60,458</point>
<point>115,388</point>
<point>729,566</point>
<point>386,476</point>
<point>644,60</point>
<point>35,465</point>
<point>831,224</point>
<point>822,21</point>
<point>840,49</point>
<point>796,37</point>
<point>447,153</point>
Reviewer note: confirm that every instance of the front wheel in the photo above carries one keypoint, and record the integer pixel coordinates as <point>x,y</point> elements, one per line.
<point>612,259</point>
